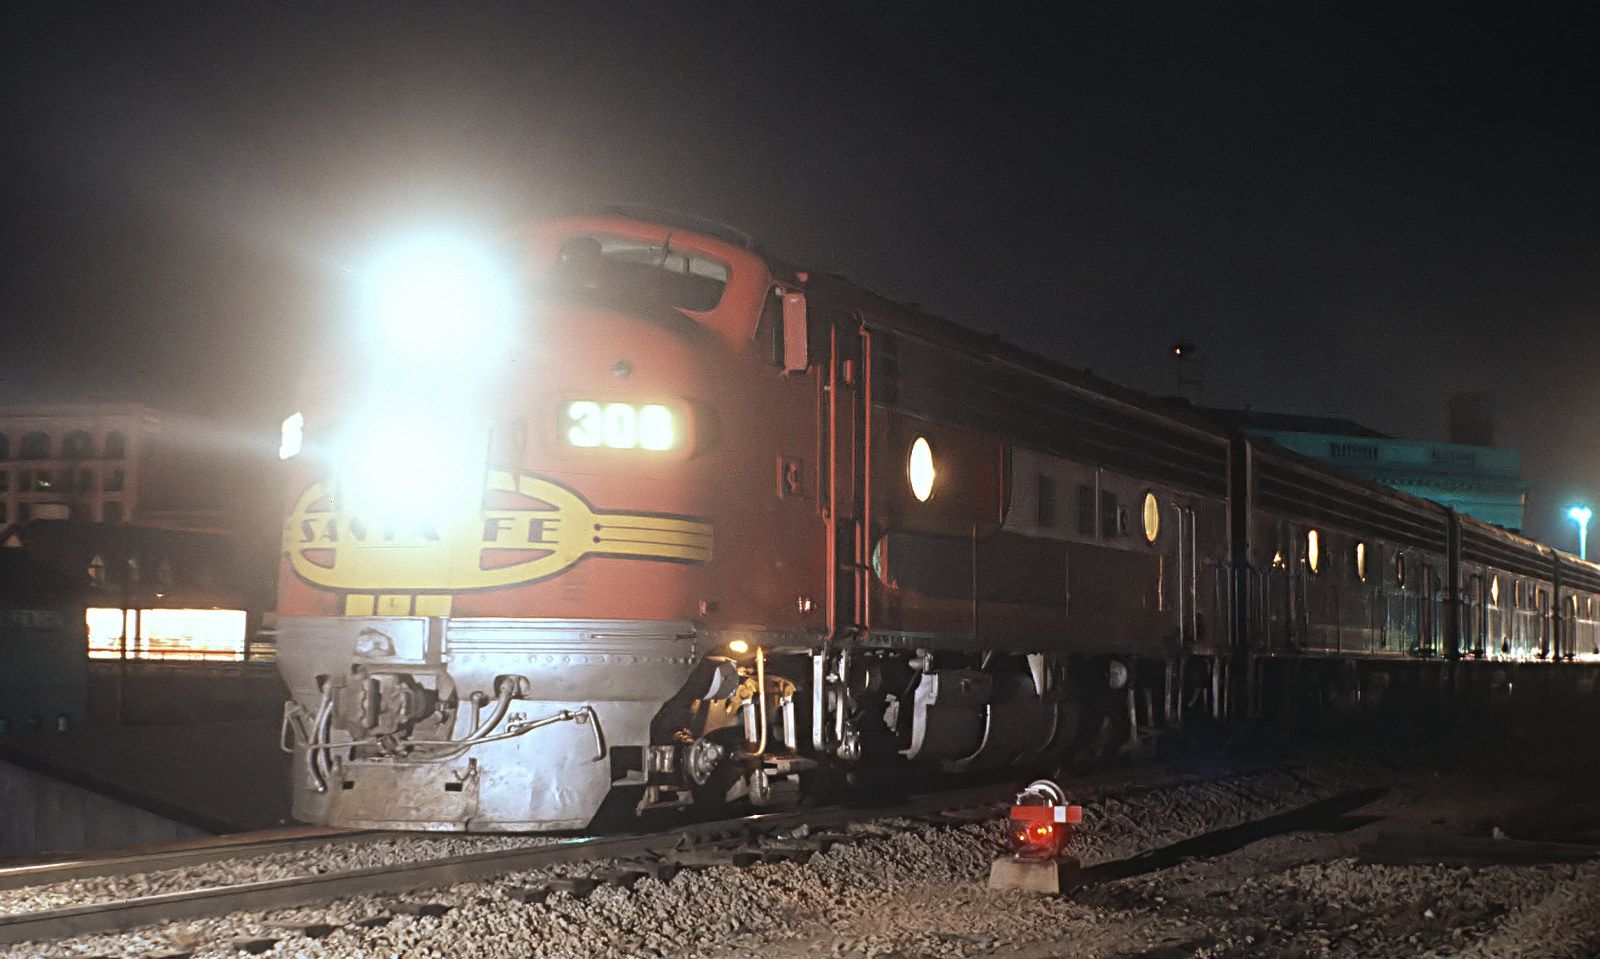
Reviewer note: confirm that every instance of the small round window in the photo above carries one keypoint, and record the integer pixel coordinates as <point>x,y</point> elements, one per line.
<point>919,469</point>
<point>1313,550</point>
<point>1151,514</point>
<point>1361,562</point>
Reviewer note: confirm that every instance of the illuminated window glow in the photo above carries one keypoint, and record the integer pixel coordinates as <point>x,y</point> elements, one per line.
<point>619,426</point>
<point>215,634</point>
<point>1494,590</point>
<point>1313,550</point>
<point>919,469</point>
<point>1151,514</point>
<point>1361,561</point>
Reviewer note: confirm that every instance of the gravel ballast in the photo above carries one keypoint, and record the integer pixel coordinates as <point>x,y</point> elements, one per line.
<point>1294,885</point>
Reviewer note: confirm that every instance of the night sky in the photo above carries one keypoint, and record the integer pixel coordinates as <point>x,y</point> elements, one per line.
<point>1351,209</point>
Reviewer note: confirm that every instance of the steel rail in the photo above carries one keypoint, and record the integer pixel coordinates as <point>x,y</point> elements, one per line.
<point>120,915</point>
<point>133,863</point>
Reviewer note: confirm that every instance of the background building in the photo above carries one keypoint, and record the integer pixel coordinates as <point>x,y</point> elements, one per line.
<point>1478,479</point>
<point>79,461</point>
<point>151,514</point>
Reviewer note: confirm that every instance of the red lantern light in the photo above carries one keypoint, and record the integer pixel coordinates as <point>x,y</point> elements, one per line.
<point>1042,821</point>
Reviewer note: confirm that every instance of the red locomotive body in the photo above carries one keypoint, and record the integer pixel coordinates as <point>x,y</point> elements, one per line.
<point>670,523</point>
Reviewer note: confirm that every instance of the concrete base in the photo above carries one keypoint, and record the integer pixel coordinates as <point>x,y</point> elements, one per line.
<point>1047,877</point>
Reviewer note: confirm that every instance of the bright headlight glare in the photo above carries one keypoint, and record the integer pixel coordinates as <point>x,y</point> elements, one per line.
<point>439,297</point>
<point>407,470</point>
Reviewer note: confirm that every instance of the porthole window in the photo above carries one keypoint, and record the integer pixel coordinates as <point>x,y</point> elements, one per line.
<point>1313,550</point>
<point>1361,562</point>
<point>1494,590</point>
<point>919,469</point>
<point>1151,514</point>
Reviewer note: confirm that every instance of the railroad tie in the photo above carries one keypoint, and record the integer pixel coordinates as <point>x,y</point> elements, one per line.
<point>578,887</point>
<point>661,870</point>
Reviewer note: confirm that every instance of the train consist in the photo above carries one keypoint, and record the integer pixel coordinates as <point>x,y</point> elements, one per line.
<point>649,518</point>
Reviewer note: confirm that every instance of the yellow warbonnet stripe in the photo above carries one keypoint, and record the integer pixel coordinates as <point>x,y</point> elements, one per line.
<point>386,567</point>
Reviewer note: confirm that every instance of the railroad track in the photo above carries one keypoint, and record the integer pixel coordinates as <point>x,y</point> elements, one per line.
<point>764,837</point>
<point>699,845</point>
<point>236,846</point>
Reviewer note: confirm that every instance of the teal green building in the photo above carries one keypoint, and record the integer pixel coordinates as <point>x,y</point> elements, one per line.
<point>1481,481</point>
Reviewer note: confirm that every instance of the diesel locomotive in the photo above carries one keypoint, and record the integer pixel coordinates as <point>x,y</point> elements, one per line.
<point>633,513</point>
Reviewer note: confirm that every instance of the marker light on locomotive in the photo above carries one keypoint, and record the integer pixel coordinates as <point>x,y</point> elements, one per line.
<point>292,436</point>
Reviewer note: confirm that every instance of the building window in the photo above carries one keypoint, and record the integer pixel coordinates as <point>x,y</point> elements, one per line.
<point>1313,550</point>
<point>5,447</point>
<point>43,481</point>
<point>24,480</point>
<point>5,481</point>
<point>24,512</point>
<point>217,634</point>
<point>116,446</point>
<point>111,512</point>
<point>1494,590</point>
<point>1150,515</point>
<point>77,445</point>
<point>3,516</point>
<point>1400,571</point>
<point>35,446</point>
<point>85,480</point>
<point>1361,562</point>
<point>1047,500</point>
<point>114,481</point>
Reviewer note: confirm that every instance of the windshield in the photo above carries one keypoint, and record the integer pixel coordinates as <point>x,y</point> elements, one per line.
<point>636,273</point>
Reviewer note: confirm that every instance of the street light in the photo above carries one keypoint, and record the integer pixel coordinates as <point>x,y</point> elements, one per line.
<point>1580,515</point>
